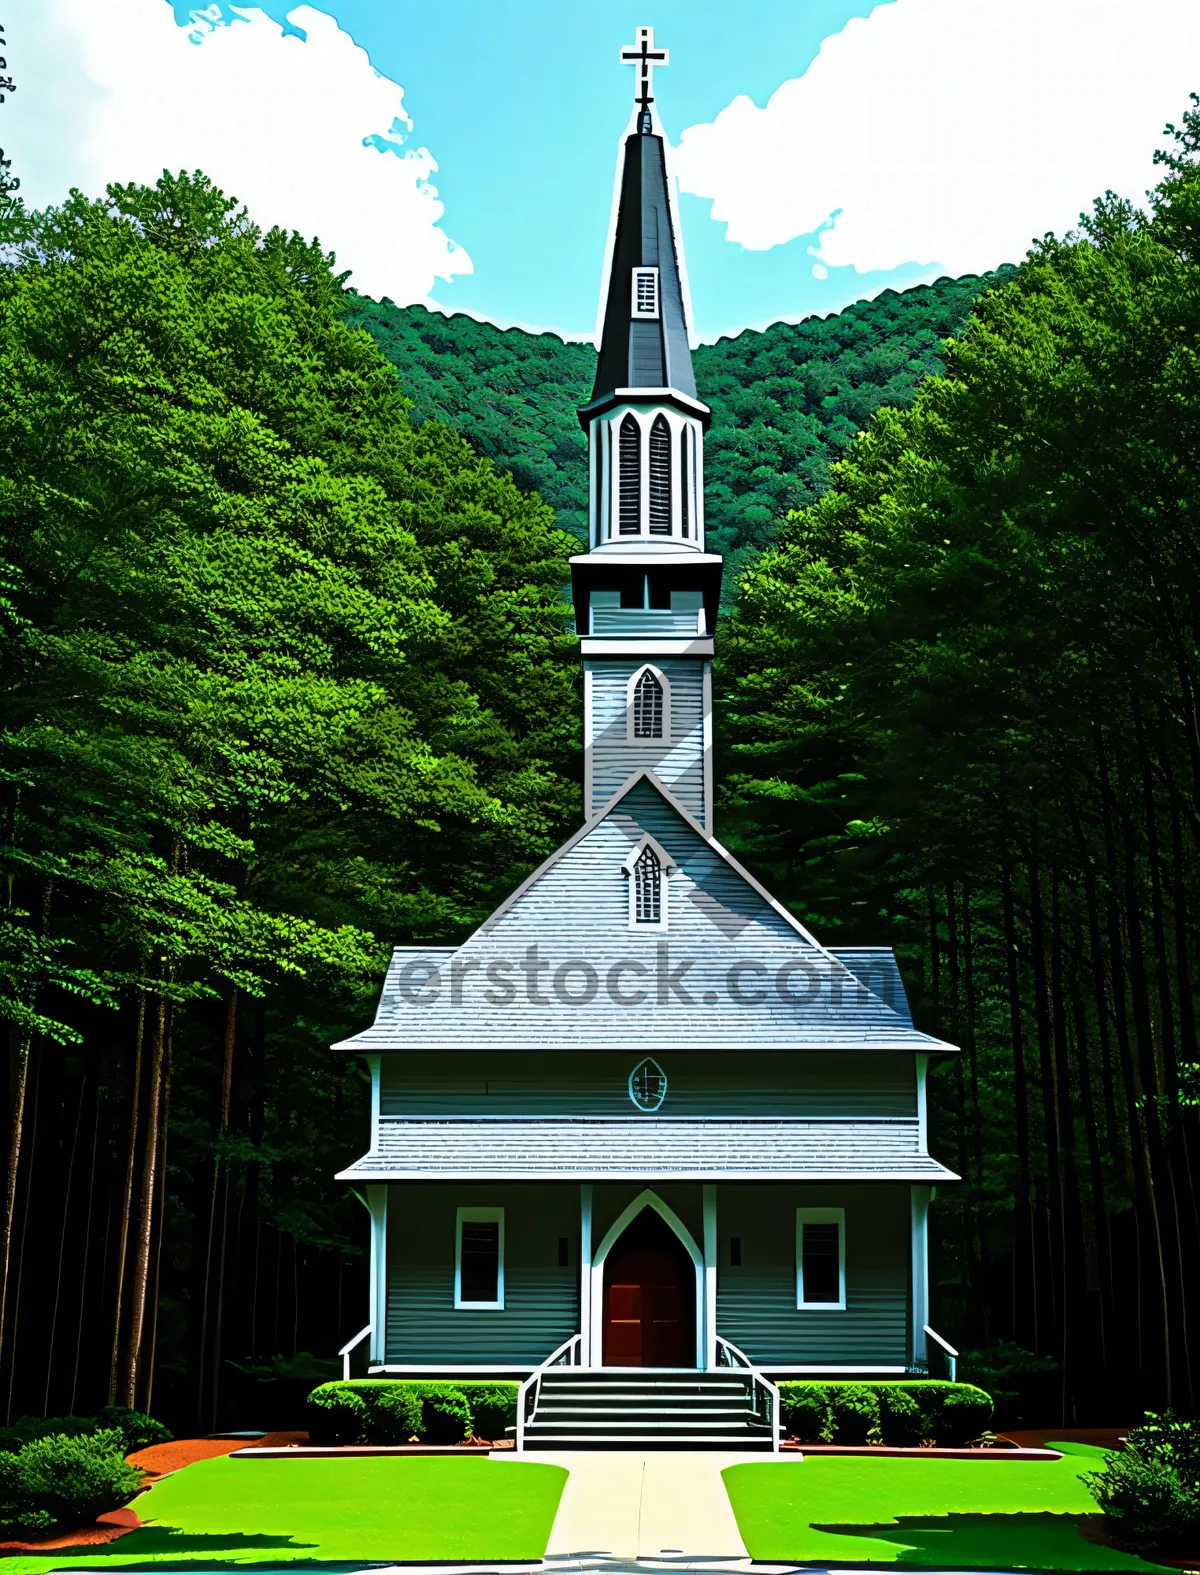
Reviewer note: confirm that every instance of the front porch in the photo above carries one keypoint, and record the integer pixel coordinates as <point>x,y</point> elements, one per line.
<point>648,1275</point>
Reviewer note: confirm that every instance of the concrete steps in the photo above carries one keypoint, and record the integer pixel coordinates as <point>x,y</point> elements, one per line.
<point>664,1409</point>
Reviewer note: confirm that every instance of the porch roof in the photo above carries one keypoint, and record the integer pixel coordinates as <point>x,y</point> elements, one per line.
<point>543,1148</point>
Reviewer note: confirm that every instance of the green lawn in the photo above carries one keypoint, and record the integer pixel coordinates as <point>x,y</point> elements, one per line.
<point>354,1511</point>
<point>953,1514</point>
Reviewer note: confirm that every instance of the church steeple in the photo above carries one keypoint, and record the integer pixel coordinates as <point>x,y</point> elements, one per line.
<point>646,594</point>
<point>644,336</point>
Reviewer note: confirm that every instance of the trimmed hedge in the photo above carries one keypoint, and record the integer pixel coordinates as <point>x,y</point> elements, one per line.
<point>402,1411</point>
<point>915,1411</point>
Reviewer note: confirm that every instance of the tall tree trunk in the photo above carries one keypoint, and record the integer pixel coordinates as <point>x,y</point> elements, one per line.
<point>18,1081</point>
<point>135,1100</point>
<point>140,1280</point>
<point>162,1220</point>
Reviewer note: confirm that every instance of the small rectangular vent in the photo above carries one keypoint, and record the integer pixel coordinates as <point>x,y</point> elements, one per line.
<point>645,292</point>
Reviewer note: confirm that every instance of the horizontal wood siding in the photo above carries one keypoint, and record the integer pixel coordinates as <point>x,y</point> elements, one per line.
<point>756,1303</point>
<point>678,760</point>
<point>751,1083</point>
<point>541,1298</point>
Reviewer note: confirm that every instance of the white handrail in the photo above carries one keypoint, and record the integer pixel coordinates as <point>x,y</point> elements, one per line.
<point>951,1353</point>
<point>572,1350</point>
<point>758,1381</point>
<point>344,1353</point>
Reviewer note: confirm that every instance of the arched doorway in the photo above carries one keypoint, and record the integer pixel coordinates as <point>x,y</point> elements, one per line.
<point>649,1297</point>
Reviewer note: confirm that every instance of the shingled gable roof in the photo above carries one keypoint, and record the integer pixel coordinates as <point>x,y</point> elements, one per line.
<point>558,966</point>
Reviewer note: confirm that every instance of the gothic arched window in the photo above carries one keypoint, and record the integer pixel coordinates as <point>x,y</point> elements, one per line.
<point>647,888</point>
<point>629,479</point>
<point>660,477</point>
<point>648,707</point>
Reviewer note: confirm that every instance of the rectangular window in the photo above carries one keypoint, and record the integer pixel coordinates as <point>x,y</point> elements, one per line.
<point>479,1259</point>
<point>645,292</point>
<point>821,1258</point>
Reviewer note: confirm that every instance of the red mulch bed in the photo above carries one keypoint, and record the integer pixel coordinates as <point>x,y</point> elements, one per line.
<point>158,1461</point>
<point>1021,1452</point>
<point>107,1529</point>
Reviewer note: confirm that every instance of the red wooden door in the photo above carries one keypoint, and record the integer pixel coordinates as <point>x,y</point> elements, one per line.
<point>649,1298</point>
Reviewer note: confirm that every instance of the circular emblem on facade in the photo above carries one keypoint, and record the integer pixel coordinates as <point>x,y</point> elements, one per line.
<point>648,1084</point>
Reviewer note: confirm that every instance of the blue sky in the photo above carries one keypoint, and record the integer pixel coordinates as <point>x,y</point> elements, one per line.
<point>558,99</point>
<point>462,153</point>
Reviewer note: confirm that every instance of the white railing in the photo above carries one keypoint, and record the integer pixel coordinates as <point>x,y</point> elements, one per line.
<point>764,1395</point>
<point>349,1346</point>
<point>568,1354</point>
<point>950,1353</point>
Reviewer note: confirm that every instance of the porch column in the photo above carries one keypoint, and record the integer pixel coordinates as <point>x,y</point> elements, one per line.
<point>585,1272</point>
<point>377,1194</point>
<point>710,1275</point>
<point>920,1196</point>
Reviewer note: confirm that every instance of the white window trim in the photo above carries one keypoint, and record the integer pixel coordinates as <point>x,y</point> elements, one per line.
<point>630,688</point>
<point>668,869</point>
<point>821,1217</point>
<point>635,310</point>
<point>471,1214</point>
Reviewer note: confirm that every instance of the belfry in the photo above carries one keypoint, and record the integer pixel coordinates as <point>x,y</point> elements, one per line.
<point>641,1141</point>
<point>646,593</point>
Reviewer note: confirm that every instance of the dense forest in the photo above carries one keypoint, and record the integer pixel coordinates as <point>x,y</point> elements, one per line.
<point>287,679</point>
<point>963,708</point>
<point>284,679</point>
<point>785,402</point>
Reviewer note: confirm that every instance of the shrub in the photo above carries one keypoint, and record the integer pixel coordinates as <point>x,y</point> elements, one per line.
<point>336,1415</point>
<point>806,1412</point>
<point>1150,1492</point>
<point>64,1480</point>
<point>138,1430</point>
<point>493,1408</point>
<point>394,1414</point>
<point>960,1413</point>
<point>901,1419</point>
<point>445,1413</point>
<point>900,1414</point>
<point>855,1410</point>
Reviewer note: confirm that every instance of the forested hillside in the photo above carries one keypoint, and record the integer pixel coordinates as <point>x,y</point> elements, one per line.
<point>785,402</point>
<point>963,714</point>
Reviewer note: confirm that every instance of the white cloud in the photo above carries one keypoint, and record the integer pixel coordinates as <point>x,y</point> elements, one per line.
<point>303,130</point>
<point>951,132</point>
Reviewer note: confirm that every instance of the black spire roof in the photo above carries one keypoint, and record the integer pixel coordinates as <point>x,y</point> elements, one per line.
<point>643,353</point>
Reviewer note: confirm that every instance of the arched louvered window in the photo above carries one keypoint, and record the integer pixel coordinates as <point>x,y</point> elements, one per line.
<point>684,489</point>
<point>648,707</point>
<point>629,481</point>
<point>647,888</point>
<point>660,477</point>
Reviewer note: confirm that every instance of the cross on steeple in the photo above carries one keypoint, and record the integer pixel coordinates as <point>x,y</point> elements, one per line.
<point>643,57</point>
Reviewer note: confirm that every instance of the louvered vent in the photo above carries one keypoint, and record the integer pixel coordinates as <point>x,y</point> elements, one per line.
<point>648,707</point>
<point>645,292</point>
<point>660,477</point>
<point>629,481</point>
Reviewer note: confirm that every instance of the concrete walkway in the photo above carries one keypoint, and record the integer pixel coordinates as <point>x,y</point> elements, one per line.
<point>622,1506</point>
